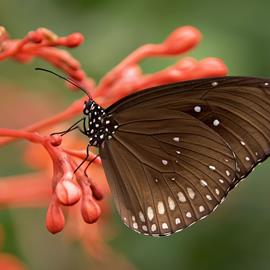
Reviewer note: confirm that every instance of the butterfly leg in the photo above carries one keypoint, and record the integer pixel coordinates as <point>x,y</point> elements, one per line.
<point>73,127</point>
<point>89,163</point>
<point>86,157</point>
<point>84,131</point>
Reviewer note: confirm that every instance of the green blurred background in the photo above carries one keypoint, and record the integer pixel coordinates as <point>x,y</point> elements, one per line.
<point>237,235</point>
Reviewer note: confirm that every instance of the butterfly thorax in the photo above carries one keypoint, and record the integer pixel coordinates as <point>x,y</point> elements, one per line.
<point>100,126</point>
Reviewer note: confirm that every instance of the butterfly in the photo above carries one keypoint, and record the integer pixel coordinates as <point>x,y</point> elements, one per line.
<point>172,153</point>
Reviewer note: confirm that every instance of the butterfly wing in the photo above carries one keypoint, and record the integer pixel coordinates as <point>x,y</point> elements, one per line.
<point>166,169</point>
<point>237,108</point>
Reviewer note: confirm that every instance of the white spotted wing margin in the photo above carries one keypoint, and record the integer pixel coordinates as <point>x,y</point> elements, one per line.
<point>166,170</point>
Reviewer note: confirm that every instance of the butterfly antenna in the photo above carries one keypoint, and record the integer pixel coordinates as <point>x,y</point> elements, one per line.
<point>64,78</point>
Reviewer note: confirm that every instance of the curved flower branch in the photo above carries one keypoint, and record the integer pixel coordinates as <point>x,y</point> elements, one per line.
<point>126,78</point>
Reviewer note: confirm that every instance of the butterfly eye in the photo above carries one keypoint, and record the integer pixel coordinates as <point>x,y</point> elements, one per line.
<point>86,110</point>
<point>87,107</point>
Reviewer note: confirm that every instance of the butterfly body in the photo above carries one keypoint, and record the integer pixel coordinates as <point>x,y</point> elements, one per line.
<point>172,153</point>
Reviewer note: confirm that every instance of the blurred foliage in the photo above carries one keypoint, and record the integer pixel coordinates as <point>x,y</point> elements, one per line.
<point>237,235</point>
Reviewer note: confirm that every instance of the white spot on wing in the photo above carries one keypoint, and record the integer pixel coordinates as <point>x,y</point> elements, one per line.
<point>164,162</point>
<point>141,215</point>
<point>150,213</point>
<point>191,193</point>
<point>211,167</point>
<point>214,84</point>
<point>144,227</point>
<point>197,109</point>
<point>221,180</point>
<point>171,203</point>
<point>181,197</point>
<point>177,221</point>
<point>216,122</point>
<point>176,139</point>
<point>153,227</point>
<point>188,214</point>
<point>203,183</point>
<point>161,209</point>
<point>201,208</point>
<point>165,226</point>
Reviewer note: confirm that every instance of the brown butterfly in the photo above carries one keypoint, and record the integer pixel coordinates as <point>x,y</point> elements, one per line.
<point>172,153</point>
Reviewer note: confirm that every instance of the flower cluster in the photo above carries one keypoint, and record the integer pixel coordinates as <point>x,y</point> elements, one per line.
<point>69,188</point>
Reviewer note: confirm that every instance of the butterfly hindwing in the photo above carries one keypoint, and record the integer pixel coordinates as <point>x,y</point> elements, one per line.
<point>166,170</point>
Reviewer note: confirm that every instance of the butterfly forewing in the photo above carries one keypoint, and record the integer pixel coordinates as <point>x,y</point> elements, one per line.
<point>237,108</point>
<point>166,170</point>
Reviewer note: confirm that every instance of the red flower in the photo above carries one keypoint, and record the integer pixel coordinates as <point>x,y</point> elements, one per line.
<point>70,189</point>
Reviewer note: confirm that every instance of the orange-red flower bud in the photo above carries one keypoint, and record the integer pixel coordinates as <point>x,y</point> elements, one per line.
<point>55,220</point>
<point>181,40</point>
<point>74,40</point>
<point>90,210</point>
<point>35,36</point>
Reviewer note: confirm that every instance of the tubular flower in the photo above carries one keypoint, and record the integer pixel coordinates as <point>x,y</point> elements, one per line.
<point>69,188</point>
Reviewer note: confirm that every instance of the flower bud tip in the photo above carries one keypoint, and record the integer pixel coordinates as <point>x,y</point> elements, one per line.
<point>55,220</point>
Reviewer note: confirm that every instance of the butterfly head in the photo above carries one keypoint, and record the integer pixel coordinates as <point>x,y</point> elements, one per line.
<point>100,125</point>
<point>92,108</point>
